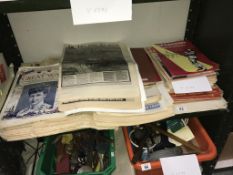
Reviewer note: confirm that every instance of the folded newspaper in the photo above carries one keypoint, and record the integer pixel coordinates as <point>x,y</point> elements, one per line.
<point>33,96</point>
<point>31,108</point>
<point>100,76</point>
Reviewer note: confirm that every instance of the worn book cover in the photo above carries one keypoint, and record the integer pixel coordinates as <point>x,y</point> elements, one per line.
<point>146,68</point>
<point>182,58</point>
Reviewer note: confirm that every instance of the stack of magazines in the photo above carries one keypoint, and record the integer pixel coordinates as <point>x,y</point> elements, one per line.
<point>190,76</point>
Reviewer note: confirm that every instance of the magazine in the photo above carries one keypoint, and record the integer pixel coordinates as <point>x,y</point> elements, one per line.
<point>183,59</point>
<point>33,96</point>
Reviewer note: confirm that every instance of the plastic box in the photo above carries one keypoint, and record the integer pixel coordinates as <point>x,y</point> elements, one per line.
<point>46,162</point>
<point>201,136</point>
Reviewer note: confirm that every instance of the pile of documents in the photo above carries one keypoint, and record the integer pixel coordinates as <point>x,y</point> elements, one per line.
<point>189,76</point>
<point>106,85</point>
<point>97,85</point>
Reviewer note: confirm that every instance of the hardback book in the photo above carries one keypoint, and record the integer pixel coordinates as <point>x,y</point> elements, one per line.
<point>5,86</point>
<point>3,69</point>
<point>147,71</point>
<point>100,76</point>
<point>150,76</point>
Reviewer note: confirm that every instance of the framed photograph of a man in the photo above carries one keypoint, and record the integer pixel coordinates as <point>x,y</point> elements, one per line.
<point>37,99</point>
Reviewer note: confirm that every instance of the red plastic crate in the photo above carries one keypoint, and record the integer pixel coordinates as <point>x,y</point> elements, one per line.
<point>201,136</point>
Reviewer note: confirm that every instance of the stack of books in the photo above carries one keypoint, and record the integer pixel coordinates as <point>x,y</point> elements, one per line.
<point>189,75</point>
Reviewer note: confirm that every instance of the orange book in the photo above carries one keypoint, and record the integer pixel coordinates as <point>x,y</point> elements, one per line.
<point>216,93</point>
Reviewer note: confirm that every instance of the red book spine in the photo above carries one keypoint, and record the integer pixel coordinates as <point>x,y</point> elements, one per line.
<point>2,74</point>
<point>146,69</point>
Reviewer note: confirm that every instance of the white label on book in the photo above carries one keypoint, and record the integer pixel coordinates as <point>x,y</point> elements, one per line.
<point>100,11</point>
<point>146,166</point>
<point>190,85</point>
<point>181,165</point>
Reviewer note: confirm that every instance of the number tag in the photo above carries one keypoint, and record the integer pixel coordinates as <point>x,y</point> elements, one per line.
<point>181,109</point>
<point>146,166</point>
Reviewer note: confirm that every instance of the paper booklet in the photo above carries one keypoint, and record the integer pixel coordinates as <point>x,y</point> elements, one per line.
<point>100,77</point>
<point>33,96</point>
<point>183,59</point>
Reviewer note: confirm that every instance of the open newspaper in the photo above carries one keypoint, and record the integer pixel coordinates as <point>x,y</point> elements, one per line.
<point>100,77</point>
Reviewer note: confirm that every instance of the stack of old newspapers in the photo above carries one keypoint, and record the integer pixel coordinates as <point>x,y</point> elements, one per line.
<point>99,77</point>
<point>96,85</point>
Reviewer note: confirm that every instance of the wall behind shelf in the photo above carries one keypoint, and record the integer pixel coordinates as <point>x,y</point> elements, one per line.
<point>41,34</point>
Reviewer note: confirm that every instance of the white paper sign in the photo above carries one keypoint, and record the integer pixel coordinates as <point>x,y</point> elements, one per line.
<point>100,11</point>
<point>189,85</point>
<point>180,165</point>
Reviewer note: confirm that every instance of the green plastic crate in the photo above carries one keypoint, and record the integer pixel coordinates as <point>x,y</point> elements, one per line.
<point>46,163</point>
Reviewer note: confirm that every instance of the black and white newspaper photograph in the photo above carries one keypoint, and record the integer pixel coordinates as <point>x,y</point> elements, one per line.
<point>94,63</point>
<point>33,94</point>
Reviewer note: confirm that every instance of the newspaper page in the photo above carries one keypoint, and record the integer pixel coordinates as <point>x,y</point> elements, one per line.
<point>100,76</point>
<point>33,93</point>
<point>93,63</point>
